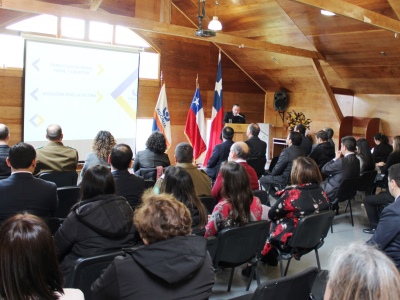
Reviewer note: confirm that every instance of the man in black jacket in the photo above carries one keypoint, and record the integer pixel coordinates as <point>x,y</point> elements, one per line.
<point>258,148</point>
<point>306,143</point>
<point>341,167</point>
<point>5,170</point>
<point>234,116</point>
<point>280,174</point>
<point>323,151</point>
<point>127,185</point>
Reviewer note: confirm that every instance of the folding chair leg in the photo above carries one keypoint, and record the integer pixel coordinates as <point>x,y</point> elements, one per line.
<point>317,256</point>
<point>351,213</point>
<point>287,266</point>
<point>254,270</point>
<point>281,265</point>
<point>230,280</point>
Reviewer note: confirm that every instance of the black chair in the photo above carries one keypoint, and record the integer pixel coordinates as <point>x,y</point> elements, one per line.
<point>297,286</point>
<point>272,164</point>
<point>309,235</point>
<point>209,202</point>
<point>87,269</point>
<point>366,182</point>
<point>346,191</point>
<point>212,246</point>
<point>67,197</point>
<point>61,179</point>
<point>239,245</point>
<point>147,173</point>
<point>319,286</point>
<point>262,195</point>
<point>258,164</point>
<point>149,183</point>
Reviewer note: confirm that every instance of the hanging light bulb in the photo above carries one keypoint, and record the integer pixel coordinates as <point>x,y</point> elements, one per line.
<point>215,24</point>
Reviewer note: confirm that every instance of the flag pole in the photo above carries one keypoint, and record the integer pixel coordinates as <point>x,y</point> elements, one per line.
<point>161,78</point>
<point>197,81</point>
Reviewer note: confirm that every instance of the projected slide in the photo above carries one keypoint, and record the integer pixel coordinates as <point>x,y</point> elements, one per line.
<point>82,89</point>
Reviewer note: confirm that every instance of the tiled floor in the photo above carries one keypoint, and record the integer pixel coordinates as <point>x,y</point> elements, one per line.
<point>343,234</point>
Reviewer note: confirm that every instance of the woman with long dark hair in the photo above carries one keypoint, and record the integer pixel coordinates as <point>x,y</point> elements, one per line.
<point>238,206</point>
<point>382,148</point>
<point>178,182</point>
<point>367,162</point>
<point>28,262</point>
<point>100,222</point>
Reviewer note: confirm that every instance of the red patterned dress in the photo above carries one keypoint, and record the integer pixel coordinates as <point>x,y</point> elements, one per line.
<point>295,202</point>
<point>219,218</point>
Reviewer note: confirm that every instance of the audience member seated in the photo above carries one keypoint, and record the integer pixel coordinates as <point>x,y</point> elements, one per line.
<point>22,191</point>
<point>28,262</point>
<point>238,206</point>
<point>330,133</point>
<point>323,151</point>
<point>172,265</point>
<point>178,182</point>
<point>304,197</point>
<point>306,143</point>
<point>361,272</point>
<point>220,153</point>
<point>387,233</point>
<point>238,154</point>
<point>374,203</point>
<point>280,174</point>
<point>154,155</point>
<point>5,170</point>
<point>257,147</point>
<point>382,148</point>
<point>184,159</point>
<point>102,144</point>
<point>127,185</point>
<point>341,167</point>
<point>55,157</point>
<point>100,222</point>
<point>364,155</point>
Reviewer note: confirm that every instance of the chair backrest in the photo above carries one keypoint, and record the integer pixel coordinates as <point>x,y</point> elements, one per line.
<point>212,246</point>
<point>238,245</point>
<point>258,164</point>
<point>209,202</point>
<point>147,173</point>
<point>262,195</point>
<point>311,230</point>
<point>297,286</point>
<point>149,183</point>
<point>67,197</point>
<point>347,189</point>
<point>61,179</point>
<point>273,162</point>
<point>87,269</point>
<point>366,180</point>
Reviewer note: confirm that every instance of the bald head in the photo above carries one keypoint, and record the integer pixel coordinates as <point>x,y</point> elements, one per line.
<point>239,150</point>
<point>54,133</point>
<point>4,134</point>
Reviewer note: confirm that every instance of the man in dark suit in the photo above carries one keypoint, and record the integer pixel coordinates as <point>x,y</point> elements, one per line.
<point>306,143</point>
<point>341,167</point>
<point>128,185</point>
<point>239,153</point>
<point>258,148</point>
<point>5,170</point>
<point>323,151</point>
<point>280,174</point>
<point>22,191</point>
<point>220,153</point>
<point>387,234</point>
<point>234,116</point>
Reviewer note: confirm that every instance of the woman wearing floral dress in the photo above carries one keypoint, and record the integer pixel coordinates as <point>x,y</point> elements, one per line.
<point>239,206</point>
<point>303,198</point>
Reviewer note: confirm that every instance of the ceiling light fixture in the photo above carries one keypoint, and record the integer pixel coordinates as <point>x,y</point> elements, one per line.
<point>215,24</point>
<point>203,32</point>
<point>327,13</point>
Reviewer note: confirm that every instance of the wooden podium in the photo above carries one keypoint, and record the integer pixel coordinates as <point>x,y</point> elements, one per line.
<point>240,131</point>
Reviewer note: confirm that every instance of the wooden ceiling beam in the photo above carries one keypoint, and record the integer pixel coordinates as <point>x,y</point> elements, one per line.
<point>355,12</point>
<point>325,84</point>
<point>95,4</point>
<point>395,4</point>
<point>39,7</point>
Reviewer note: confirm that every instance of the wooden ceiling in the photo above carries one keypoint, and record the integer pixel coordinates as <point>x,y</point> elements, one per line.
<point>278,43</point>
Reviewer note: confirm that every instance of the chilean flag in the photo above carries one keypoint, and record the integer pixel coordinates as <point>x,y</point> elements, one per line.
<point>161,119</point>
<point>217,114</point>
<point>195,125</point>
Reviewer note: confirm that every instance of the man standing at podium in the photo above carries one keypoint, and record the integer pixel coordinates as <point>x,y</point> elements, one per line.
<point>234,116</point>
